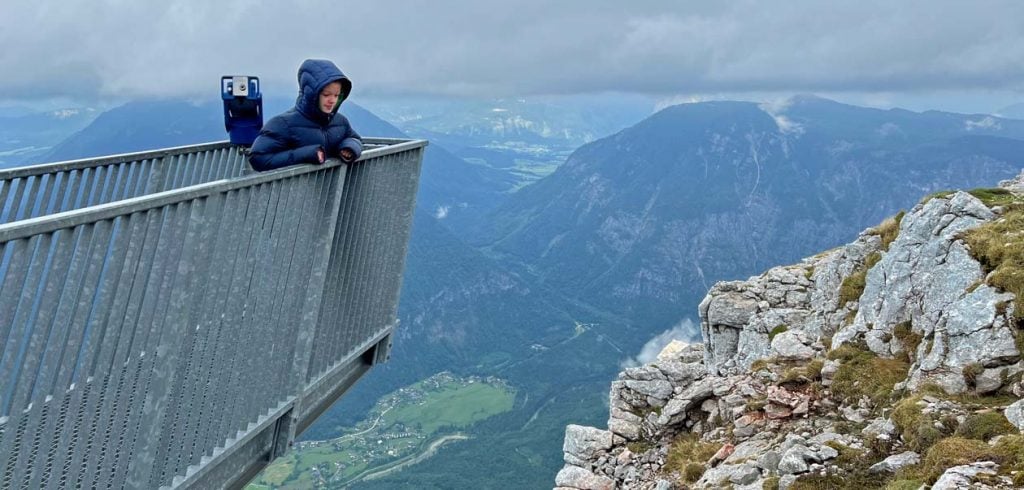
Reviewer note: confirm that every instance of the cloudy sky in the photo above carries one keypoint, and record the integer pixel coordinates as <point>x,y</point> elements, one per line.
<point>953,55</point>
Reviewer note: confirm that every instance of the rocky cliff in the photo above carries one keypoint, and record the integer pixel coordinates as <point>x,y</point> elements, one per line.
<point>892,362</point>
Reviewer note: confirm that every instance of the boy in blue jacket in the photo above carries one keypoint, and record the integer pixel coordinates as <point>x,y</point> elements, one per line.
<point>312,131</point>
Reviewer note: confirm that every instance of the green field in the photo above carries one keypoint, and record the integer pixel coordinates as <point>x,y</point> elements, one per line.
<point>456,407</point>
<point>400,427</point>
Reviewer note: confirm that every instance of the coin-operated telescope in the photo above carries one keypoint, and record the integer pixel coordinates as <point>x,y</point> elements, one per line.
<point>243,108</point>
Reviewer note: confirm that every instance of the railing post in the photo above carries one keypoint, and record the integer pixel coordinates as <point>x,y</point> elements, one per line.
<point>173,334</point>
<point>158,176</point>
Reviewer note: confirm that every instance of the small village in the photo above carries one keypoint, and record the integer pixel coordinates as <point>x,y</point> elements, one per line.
<point>384,438</point>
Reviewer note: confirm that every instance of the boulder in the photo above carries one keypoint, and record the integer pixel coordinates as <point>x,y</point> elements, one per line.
<point>680,373</point>
<point>731,310</point>
<point>625,424</point>
<point>769,461</point>
<point>959,477</point>
<point>655,389</point>
<point>1015,414</point>
<point>792,345</point>
<point>576,477</point>
<point>896,462</point>
<point>792,461</point>
<point>720,476</point>
<point>880,428</point>
<point>584,443</point>
<point>748,450</point>
<point>825,453</point>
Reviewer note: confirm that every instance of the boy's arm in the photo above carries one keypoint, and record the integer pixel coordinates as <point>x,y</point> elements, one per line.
<point>271,149</point>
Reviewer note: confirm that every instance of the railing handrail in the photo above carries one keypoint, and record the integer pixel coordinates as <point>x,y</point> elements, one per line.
<point>90,162</point>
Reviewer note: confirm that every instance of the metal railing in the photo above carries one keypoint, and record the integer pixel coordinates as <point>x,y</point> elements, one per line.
<point>172,319</point>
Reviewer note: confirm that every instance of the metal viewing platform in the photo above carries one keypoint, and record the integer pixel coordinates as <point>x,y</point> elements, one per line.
<point>172,319</point>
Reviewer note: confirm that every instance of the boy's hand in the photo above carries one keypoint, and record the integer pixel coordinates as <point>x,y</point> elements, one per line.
<point>347,155</point>
<point>320,155</point>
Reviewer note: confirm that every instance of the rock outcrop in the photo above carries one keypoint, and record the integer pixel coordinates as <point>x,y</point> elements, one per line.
<point>891,359</point>
<point>929,282</point>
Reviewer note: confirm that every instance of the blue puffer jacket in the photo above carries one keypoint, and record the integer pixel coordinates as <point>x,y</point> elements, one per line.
<point>295,136</point>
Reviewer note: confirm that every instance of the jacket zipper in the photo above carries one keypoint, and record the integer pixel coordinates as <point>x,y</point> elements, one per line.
<point>326,149</point>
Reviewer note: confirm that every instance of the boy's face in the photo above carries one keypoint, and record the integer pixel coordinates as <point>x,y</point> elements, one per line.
<point>329,97</point>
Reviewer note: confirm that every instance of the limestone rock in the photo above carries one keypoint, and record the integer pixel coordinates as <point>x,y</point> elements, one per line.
<point>1015,184</point>
<point>737,316</point>
<point>784,397</point>
<point>624,424</point>
<point>896,462</point>
<point>770,461</point>
<point>880,428</point>
<point>654,389</point>
<point>1015,414</point>
<point>745,474</point>
<point>747,426</point>
<point>722,454</point>
<point>992,379</point>
<point>672,350</point>
<point>786,481</point>
<point>576,477</point>
<point>747,451</point>
<point>720,476</point>
<point>675,409</point>
<point>963,476</point>
<point>828,371</point>
<point>680,373</point>
<point>679,352</point>
<point>792,461</point>
<point>662,485</point>
<point>827,437</point>
<point>792,345</point>
<point>853,415</point>
<point>775,412</point>
<point>829,272</point>
<point>585,443</point>
<point>731,310</point>
<point>929,279</point>
<point>825,453</point>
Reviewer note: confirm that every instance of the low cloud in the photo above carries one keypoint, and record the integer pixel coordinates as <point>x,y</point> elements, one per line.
<point>441,212</point>
<point>984,123</point>
<point>679,99</point>
<point>776,109</point>
<point>685,331</point>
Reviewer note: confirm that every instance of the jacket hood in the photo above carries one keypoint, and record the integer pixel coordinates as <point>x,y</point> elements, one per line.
<point>314,75</point>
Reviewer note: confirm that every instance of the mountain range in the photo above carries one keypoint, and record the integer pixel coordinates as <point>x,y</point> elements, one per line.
<point>645,221</point>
